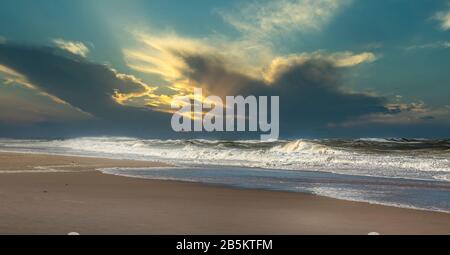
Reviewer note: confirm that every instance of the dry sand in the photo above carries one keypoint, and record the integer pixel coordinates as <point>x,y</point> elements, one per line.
<point>34,200</point>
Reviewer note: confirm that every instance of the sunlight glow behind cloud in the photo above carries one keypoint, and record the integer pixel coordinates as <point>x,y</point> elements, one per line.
<point>444,18</point>
<point>166,56</point>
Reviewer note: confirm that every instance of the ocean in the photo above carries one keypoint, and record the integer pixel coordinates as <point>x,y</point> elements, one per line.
<point>411,173</point>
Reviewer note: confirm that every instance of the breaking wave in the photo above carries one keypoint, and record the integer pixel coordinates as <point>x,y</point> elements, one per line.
<point>398,158</point>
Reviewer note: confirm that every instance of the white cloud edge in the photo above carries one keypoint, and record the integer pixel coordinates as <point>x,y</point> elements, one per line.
<point>74,47</point>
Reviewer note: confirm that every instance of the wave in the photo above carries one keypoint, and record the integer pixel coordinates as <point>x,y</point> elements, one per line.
<point>443,177</point>
<point>305,146</point>
<point>400,158</point>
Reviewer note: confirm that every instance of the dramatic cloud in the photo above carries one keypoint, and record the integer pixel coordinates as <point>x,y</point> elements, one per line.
<point>86,86</point>
<point>77,48</point>
<point>174,58</point>
<point>310,86</point>
<point>311,91</point>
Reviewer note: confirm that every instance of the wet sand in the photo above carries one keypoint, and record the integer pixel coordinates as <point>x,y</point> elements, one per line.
<point>43,194</point>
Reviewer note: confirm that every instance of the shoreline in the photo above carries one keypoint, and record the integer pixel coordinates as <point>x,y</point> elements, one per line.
<point>84,200</point>
<point>269,190</point>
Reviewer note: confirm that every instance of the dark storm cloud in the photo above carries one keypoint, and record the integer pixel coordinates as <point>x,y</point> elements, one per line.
<point>312,96</point>
<point>311,93</point>
<point>84,85</point>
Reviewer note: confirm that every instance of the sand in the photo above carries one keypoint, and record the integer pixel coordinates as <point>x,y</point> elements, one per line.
<point>42,194</point>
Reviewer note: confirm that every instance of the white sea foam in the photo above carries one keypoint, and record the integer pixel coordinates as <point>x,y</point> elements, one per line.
<point>289,155</point>
<point>375,198</point>
<point>443,177</point>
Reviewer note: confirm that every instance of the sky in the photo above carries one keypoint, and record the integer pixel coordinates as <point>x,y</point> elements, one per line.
<point>342,68</point>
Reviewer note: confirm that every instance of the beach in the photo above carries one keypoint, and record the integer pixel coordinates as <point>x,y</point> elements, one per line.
<point>48,194</point>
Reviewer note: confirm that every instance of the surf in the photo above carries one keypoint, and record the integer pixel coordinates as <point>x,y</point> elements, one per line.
<point>394,158</point>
